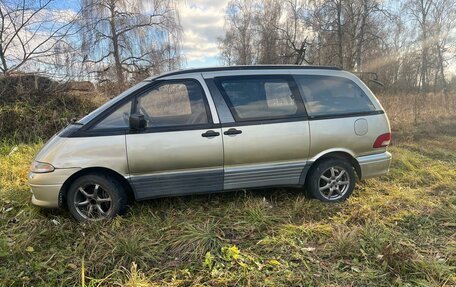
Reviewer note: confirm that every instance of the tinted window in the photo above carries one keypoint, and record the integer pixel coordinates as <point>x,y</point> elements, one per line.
<point>117,119</point>
<point>173,104</point>
<point>325,95</point>
<point>261,98</point>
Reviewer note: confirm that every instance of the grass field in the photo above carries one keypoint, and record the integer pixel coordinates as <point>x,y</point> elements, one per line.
<point>398,230</point>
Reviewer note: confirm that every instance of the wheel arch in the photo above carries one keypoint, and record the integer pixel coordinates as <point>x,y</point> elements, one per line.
<point>340,154</point>
<point>94,170</point>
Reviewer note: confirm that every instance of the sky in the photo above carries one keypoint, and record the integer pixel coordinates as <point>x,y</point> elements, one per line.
<point>202,22</point>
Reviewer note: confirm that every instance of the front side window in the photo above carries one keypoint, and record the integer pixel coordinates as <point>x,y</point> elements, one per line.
<point>117,119</point>
<point>326,95</point>
<point>173,104</point>
<point>254,98</point>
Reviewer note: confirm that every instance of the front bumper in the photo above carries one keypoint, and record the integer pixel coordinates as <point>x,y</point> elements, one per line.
<point>46,187</point>
<point>374,165</point>
<point>45,195</point>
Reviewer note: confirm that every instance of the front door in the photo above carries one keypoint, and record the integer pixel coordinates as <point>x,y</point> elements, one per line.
<point>180,151</point>
<point>268,142</point>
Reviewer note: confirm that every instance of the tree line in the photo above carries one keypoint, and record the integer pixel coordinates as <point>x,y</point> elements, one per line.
<point>119,41</point>
<point>408,44</point>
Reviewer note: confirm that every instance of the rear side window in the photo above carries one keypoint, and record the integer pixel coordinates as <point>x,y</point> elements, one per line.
<point>261,97</point>
<point>326,95</point>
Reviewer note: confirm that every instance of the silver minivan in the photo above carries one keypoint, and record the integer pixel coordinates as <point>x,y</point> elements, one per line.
<point>215,129</point>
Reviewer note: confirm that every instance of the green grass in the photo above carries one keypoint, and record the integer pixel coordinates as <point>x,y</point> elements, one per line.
<point>398,230</point>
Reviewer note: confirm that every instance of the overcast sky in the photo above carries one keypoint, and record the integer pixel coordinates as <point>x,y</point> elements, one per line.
<point>202,22</point>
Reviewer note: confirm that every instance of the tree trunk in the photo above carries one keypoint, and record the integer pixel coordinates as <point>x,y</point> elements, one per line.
<point>115,44</point>
<point>441,69</point>
<point>423,72</point>
<point>2,58</point>
<point>339,34</point>
<point>359,47</point>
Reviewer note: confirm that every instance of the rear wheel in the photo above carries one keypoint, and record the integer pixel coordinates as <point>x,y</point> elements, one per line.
<point>95,197</point>
<point>332,180</point>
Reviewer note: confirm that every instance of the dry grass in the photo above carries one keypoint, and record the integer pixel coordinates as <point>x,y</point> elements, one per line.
<point>37,115</point>
<point>406,109</point>
<point>398,230</point>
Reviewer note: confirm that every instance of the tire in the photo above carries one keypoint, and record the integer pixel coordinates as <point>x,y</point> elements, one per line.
<point>95,197</point>
<point>332,180</point>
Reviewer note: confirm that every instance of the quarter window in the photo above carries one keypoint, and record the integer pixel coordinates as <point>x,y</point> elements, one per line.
<point>255,98</point>
<point>173,104</point>
<point>326,95</point>
<point>117,119</point>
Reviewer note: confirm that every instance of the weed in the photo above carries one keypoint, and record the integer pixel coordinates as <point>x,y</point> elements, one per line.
<point>195,240</point>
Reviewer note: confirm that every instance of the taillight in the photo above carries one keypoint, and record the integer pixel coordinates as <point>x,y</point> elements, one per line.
<point>382,140</point>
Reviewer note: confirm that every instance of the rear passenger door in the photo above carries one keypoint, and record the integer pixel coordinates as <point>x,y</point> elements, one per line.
<point>267,142</point>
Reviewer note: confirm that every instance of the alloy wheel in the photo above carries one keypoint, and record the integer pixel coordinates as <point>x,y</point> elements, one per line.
<point>334,183</point>
<point>92,202</point>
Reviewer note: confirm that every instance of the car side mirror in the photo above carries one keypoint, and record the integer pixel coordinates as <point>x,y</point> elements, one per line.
<point>137,122</point>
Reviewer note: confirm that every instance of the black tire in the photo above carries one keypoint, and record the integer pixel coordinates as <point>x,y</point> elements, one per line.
<point>94,203</point>
<point>333,189</point>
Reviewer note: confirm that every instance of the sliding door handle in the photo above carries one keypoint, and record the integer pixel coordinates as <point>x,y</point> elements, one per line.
<point>232,131</point>
<point>210,133</point>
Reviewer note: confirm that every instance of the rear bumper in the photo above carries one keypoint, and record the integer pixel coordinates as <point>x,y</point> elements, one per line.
<point>374,165</point>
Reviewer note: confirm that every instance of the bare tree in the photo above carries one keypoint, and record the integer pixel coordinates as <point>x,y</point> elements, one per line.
<point>134,37</point>
<point>329,22</point>
<point>442,15</point>
<point>30,31</point>
<point>420,12</point>
<point>266,21</point>
<point>295,34</point>
<point>239,31</point>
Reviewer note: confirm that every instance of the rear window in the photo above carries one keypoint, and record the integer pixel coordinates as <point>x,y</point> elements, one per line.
<point>326,95</point>
<point>261,97</point>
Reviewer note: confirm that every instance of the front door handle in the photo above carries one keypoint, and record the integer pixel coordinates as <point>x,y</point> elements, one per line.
<point>210,133</point>
<point>232,131</point>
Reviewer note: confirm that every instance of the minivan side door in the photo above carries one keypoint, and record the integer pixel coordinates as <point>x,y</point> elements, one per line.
<point>267,144</point>
<point>180,151</point>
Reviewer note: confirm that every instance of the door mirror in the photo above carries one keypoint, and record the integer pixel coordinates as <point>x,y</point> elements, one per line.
<point>137,122</point>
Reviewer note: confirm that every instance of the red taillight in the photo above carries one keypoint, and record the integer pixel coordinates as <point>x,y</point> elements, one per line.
<point>382,140</point>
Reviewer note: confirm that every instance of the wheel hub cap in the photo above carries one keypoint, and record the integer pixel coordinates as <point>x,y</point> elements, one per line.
<point>334,183</point>
<point>92,202</point>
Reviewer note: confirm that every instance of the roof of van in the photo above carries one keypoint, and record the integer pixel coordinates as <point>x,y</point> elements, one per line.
<point>244,67</point>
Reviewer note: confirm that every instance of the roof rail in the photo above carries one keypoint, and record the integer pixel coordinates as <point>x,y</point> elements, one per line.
<point>247,67</point>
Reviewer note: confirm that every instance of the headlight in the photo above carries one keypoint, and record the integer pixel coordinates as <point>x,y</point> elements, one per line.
<point>41,167</point>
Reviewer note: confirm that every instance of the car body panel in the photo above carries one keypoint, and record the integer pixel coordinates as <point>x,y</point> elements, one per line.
<point>185,155</point>
<point>374,165</point>
<point>330,135</point>
<point>270,174</point>
<point>46,186</point>
<point>86,152</point>
<point>264,152</point>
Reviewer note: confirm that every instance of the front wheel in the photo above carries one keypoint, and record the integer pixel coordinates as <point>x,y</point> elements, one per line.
<point>95,197</point>
<point>332,180</point>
